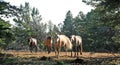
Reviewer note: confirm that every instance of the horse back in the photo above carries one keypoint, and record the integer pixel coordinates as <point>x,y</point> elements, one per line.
<point>64,41</point>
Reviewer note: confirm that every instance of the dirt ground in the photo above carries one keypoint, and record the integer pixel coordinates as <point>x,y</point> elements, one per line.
<point>25,57</point>
<point>62,54</point>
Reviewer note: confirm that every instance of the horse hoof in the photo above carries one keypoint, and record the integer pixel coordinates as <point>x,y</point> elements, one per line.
<point>80,53</point>
<point>49,52</point>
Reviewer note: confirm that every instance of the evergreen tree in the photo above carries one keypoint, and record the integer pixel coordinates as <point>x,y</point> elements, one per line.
<point>107,21</point>
<point>27,24</point>
<point>6,11</point>
<point>50,28</point>
<point>68,24</point>
<point>79,24</point>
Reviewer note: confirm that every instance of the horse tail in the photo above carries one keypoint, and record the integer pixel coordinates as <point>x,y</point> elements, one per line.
<point>58,40</point>
<point>70,44</point>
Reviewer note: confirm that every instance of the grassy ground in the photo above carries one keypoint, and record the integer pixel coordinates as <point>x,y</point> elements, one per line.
<point>42,58</point>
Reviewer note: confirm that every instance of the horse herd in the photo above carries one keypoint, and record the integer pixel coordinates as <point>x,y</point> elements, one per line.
<point>73,44</point>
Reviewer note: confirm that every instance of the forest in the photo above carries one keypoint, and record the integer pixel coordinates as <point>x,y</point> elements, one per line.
<point>99,28</point>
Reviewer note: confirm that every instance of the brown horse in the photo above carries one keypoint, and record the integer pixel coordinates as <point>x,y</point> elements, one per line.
<point>33,44</point>
<point>77,44</point>
<point>62,41</point>
<point>48,44</point>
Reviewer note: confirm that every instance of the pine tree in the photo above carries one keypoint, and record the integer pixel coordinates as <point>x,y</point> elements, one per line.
<point>68,24</point>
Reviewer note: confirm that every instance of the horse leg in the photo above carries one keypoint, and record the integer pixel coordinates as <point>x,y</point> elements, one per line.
<point>48,50</point>
<point>31,49</point>
<point>75,54</point>
<point>77,51</point>
<point>36,48</point>
<point>58,51</point>
<point>51,48</point>
<point>71,53</point>
<point>55,52</point>
<point>81,49</point>
<point>66,52</point>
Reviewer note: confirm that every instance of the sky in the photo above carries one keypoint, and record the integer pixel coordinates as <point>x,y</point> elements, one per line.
<point>55,10</point>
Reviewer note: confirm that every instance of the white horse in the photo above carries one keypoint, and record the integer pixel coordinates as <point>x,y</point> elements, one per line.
<point>32,44</point>
<point>77,44</point>
<point>62,41</point>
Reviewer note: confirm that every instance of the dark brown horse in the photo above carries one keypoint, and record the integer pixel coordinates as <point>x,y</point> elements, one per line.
<point>62,41</point>
<point>33,44</point>
<point>77,44</point>
<point>48,44</point>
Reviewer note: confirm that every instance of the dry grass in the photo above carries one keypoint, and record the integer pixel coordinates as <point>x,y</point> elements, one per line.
<point>62,54</point>
<point>25,57</point>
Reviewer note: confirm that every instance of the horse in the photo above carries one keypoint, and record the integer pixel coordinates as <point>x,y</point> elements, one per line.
<point>62,41</point>
<point>77,44</point>
<point>48,44</point>
<point>33,44</point>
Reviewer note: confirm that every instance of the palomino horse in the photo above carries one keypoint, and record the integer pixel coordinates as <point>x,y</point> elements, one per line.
<point>33,44</point>
<point>77,44</point>
<point>48,44</point>
<point>62,41</point>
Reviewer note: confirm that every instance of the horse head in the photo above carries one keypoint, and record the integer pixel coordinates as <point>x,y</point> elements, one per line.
<point>73,38</point>
<point>30,40</point>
